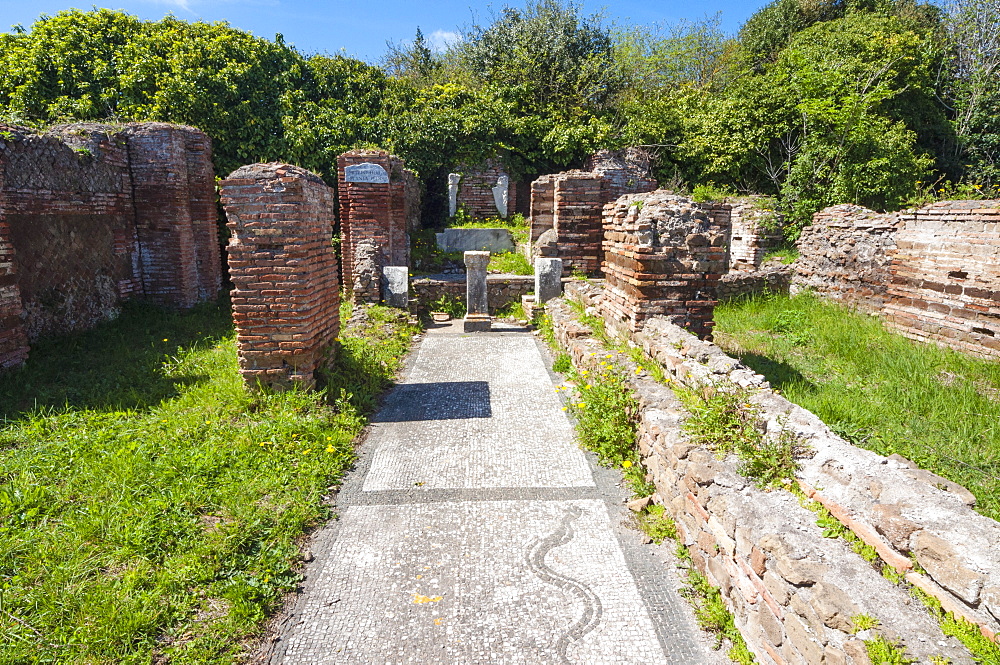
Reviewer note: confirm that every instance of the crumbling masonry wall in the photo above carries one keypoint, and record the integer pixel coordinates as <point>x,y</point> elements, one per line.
<point>754,231</point>
<point>570,205</point>
<point>664,256</point>
<point>626,171</point>
<point>92,215</point>
<point>792,591</point>
<point>378,212</point>
<point>475,189</point>
<point>931,272</point>
<point>284,271</point>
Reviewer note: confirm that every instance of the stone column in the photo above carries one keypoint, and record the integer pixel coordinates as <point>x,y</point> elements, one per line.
<point>397,286</point>
<point>548,279</point>
<point>477,317</point>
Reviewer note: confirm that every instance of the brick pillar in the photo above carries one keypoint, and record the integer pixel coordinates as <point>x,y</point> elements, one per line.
<point>542,206</point>
<point>286,297</point>
<point>664,257</point>
<point>577,219</point>
<point>175,223</point>
<point>374,211</point>
<point>13,338</point>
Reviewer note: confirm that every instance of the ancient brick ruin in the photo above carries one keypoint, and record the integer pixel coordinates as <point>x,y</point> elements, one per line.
<point>286,296</point>
<point>376,206</point>
<point>569,207</point>
<point>92,215</point>
<point>754,230</point>
<point>626,171</point>
<point>664,257</point>
<point>932,272</point>
<point>480,186</point>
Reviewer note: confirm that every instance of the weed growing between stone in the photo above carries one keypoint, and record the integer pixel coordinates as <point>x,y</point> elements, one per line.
<point>983,650</point>
<point>512,310</point>
<point>834,528</point>
<point>562,364</point>
<point>874,387</point>
<point>714,617</point>
<point>150,507</point>
<point>450,305</point>
<point>723,420</point>
<point>886,652</point>
<point>657,524</point>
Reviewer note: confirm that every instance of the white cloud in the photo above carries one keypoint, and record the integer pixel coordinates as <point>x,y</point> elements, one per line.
<point>440,40</point>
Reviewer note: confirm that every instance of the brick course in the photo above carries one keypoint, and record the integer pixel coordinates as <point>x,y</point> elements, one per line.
<point>286,296</point>
<point>571,204</point>
<point>475,189</point>
<point>71,202</point>
<point>377,212</point>
<point>626,171</point>
<point>664,257</point>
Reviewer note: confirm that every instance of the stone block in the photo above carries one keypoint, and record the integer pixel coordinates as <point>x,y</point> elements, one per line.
<point>548,279</point>
<point>467,240</point>
<point>397,286</point>
<point>939,558</point>
<point>834,607</point>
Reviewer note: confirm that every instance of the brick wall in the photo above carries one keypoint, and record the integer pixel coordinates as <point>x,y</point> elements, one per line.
<point>501,290</point>
<point>175,214</point>
<point>284,271</point>
<point>664,256</point>
<point>753,232</point>
<point>626,171</point>
<point>70,203</point>
<point>571,204</point>
<point>845,255</point>
<point>374,211</point>
<point>475,189</point>
<point>945,281</point>
<point>792,591</point>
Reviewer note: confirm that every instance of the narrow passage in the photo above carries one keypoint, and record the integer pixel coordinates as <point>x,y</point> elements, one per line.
<point>475,530</point>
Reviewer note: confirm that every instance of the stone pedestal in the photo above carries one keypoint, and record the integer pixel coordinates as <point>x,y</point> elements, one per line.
<point>397,286</point>
<point>548,279</point>
<point>477,317</point>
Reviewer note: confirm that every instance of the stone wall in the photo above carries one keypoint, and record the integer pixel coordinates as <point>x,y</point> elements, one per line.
<point>374,211</point>
<point>502,290</point>
<point>945,284</point>
<point>769,278</point>
<point>92,215</point>
<point>792,591</point>
<point>664,257</point>
<point>286,297</point>
<point>625,171</point>
<point>754,231</point>
<point>570,203</point>
<point>932,272</point>
<point>846,254</point>
<point>475,189</point>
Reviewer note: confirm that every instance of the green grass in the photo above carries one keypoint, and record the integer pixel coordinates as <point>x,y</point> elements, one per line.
<point>786,255</point>
<point>713,616</point>
<point>516,224</point>
<point>150,507</point>
<point>513,263</point>
<point>876,388</point>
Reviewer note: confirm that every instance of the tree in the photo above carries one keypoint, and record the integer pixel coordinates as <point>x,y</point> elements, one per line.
<point>412,61</point>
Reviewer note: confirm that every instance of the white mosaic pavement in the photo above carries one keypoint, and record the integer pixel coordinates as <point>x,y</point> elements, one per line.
<point>474,531</point>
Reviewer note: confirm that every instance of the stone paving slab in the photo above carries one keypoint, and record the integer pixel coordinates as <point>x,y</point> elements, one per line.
<point>474,530</point>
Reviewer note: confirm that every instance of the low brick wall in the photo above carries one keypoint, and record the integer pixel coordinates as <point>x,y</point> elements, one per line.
<point>13,337</point>
<point>664,256</point>
<point>792,591</point>
<point>846,255</point>
<point>770,278</point>
<point>286,300</point>
<point>502,290</point>
<point>945,283</point>
<point>475,189</point>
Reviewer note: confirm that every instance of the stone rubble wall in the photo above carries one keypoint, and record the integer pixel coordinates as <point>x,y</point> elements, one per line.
<point>570,205</point>
<point>543,206</point>
<point>92,215</point>
<point>753,233</point>
<point>475,189</point>
<point>376,212</point>
<point>793,591</point>
<point>770,278</point>
<point>846,255</point>
<point>945,284</point>
<point>502,290</point>
<point>626,171</point>
<point>664,256</point>
<point>286,298</point>
<point>931,272</point>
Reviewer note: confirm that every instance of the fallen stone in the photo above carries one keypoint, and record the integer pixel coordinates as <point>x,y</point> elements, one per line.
<point>640,504</point>
<point>941,562</point>
<point>888,521</point>
<point>397,286</point>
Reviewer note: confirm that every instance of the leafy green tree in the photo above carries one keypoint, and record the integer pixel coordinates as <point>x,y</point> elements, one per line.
<point>413,61</point>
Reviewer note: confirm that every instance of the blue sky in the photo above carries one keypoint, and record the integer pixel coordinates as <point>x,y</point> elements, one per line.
<point>361,27</point>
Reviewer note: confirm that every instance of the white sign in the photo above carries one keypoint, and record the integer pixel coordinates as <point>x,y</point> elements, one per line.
<point>365,172</point>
